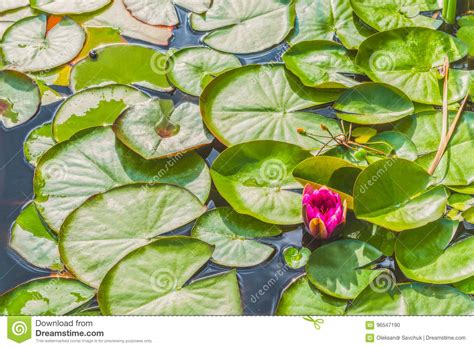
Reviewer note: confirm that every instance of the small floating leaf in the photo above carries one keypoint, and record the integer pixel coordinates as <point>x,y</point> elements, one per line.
<point>38,142</point>
<point>19,98</point>
<point>373,103</point>
<point>232,235</point>
<point>338,269</point>
<point>266,22</point>
<point>302,298</point>
<point>92,107</point>
<point>33,241</point>
<point>151,132</point>
<point>124,64</point>
<point>255,179</point>
<point>46,296</point>
<point>42,49</point>
<point>190,68</point>
<point>68,7</point>
<point>384,196</point>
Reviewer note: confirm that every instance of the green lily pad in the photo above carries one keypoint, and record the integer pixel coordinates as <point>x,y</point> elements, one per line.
<point>400,145</point>
<point>116,16</point>
<point>461,201</point>
<point>41,49</point>
<point>232,235</point>
<point>110,225</point>
<point>379,237</point>
<point>391,14</point>
<point>258,102</point>
<point>384,196</point>
<point>233,22</point>
<point>19,98</point>
<point>255,179</point>
<point>426,255</point>
<point>8,5</point>
<point>148,130</point>
<point>68,7</point>
<point>296,258</point>
<point>335,173</point>
<point>301,298</point>
<point>193,68</point>
<point>468,215</point>
<point>162,12</point>
<point>339,268</point>
<point>373,103</point>
<point>94,161</point>
<point>38,142</point>
<point>466,32</point>
<point>165,266</point>
<point>466,285</point>
<point>424,129</point>
<point>322,64</point>
<point>323,19</point>
<point>46,296</point>
<point>124,64</point>
<point>92,107</point>
<point>33,241</point>
<point>409,58</point>
<point>413,299</point>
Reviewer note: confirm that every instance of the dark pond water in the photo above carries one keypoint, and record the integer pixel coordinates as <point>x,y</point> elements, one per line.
<point>261,286</point>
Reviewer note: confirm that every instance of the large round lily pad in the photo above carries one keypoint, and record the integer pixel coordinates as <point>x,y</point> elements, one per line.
<point>63,7</point>
<point>19,98</point>
<point>38,142</point>
<point>264,103</point>
<point>342,268</point>
<point>111,225</point>
<point>159,273</point>
<point>335,173</point>
<point>391,14</point>
<point>233,236</point>
<point>302,298</point>
<point>424,129</point>
<point>245,26</point>
<point>46,296</point>
<point>162,12</point>
<point>28,46</point>
<point>33,241</point>
<point>94,161</point>
<point>324,19</point>
<point>413,299</point>
<point>149,129</point>
<point>124,64</point>
<point>373,103</point>
<point>322,64</point>
<point>191,69</point>
<point>409,59</point>
<point>255,179</point>
<point>426,254</point>
<point>92,107</point>
<point>384,196</point>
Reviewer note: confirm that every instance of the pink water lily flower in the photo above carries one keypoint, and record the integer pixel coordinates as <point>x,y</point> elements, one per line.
<point>323,211</point>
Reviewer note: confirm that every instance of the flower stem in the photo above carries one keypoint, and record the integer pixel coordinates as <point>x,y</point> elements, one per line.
<point>444,126</point>
<point>449,11</point>
<point>444,144</point>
